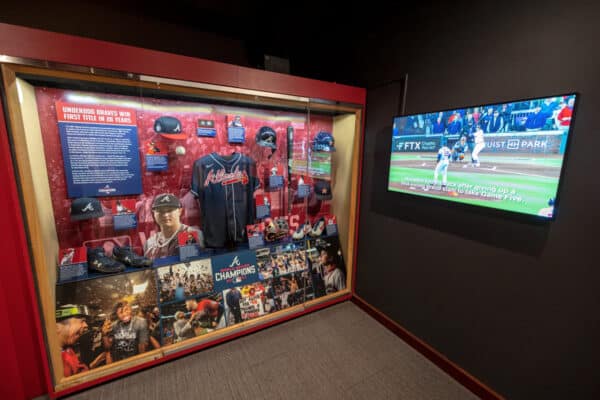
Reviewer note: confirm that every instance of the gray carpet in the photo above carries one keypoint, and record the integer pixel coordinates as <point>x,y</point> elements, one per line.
<point>336,353</point>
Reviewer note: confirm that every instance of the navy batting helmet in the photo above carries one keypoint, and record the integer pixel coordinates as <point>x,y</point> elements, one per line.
<point>266,137</point>
<point>323,142</point>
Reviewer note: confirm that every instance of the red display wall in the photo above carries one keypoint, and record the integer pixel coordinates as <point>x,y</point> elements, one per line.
<point>177,179</point>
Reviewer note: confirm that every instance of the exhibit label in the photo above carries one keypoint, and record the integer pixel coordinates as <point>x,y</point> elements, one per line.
<point>100,150</point>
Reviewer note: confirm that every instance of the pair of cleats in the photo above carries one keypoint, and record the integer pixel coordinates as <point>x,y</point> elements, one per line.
<point>307,230</point>
<point>98,261</point>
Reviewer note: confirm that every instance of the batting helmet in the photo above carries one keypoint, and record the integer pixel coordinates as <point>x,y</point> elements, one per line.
<point>266,137</point>
<point>323,142</point>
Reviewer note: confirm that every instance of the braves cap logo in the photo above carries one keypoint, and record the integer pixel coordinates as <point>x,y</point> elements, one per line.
<point>236,261</point>
<point>165,199</point>
<point>88,207</point>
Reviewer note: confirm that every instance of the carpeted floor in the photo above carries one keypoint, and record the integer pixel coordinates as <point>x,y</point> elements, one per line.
<point>336,353</point>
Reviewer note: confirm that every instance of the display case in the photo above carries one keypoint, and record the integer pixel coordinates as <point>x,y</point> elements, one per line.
<point>164,215</point>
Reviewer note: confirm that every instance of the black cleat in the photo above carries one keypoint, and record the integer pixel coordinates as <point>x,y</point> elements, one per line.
<point>129,257</point>
<point>100,262</point>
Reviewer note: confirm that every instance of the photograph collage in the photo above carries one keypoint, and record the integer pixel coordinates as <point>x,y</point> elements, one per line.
<point>101,321</point>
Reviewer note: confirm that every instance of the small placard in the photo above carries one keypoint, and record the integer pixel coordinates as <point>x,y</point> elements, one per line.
<point>188,251</point>
<point>189,246</point>
<point>206,128</point>
<point>256,236</point>
<point>263,211</point>
<point>263,206</point>
<point>124,221</point>
<point>331,226</point>
<point>72,263</point>
<point>72,271</point>
<point>275,182</point>
<point>303,191</point>
<point>236,135</point>
<point>123,214</point>
<point>235,129</point>
<point>157,162</point>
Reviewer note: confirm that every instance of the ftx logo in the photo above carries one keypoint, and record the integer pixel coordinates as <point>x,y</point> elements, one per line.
<point>409,146</point>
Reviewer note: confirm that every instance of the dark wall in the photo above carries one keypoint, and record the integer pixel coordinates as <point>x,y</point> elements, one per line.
<point>513,302</point>
<point>175,27</point>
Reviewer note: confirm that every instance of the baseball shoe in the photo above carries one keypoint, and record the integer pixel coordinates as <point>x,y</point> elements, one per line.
<point>318,227</point>
<point>100,262</point>
<point>128,257</point>
<point>302,231</point>
<point>444,188</point>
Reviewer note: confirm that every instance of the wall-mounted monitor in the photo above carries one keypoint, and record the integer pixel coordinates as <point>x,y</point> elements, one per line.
<point>506,156</point>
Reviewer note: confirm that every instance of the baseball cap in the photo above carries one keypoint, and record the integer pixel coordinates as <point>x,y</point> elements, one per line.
<point>86,208</point>
<point>169,128</point>
<point>70,311</point>
<point>322,190</point>
<point>166,200</point>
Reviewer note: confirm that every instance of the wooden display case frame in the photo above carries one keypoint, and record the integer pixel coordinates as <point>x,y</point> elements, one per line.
<point>211,82</point>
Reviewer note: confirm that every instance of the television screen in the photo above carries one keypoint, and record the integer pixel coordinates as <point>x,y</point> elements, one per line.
<point>507,156</point>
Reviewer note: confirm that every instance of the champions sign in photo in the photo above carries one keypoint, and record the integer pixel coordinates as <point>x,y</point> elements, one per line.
<point>235,269</point>
<point>507,156</point>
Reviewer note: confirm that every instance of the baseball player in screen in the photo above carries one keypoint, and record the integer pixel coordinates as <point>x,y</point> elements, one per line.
<point>459,149</point>
<point>479,145</point>
<point>443,158</point>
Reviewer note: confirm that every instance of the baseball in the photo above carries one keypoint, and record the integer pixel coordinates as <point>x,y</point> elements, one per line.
<point>180,150</point>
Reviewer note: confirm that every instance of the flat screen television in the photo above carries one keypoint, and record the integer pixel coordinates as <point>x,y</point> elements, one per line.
<point>506,156</point>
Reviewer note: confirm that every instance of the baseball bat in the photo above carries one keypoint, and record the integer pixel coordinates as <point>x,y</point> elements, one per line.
<point>290,151</point>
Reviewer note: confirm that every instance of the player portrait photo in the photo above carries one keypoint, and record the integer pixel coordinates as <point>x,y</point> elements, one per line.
<point>507,156</point>
<point>166,211</point>
<point>180,281</point>
<point>326,265</point>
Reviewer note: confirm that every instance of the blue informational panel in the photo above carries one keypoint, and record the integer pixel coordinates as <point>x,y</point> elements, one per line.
<point>100,150</point>
<point>234,269</point>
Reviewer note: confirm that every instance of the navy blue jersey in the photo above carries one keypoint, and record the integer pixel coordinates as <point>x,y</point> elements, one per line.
<point>224,186</point>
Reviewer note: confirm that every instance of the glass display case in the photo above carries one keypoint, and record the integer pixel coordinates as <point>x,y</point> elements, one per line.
<point>165,215</point>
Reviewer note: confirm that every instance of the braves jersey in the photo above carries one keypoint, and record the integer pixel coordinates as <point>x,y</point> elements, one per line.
<point>478,136</point>
<point>444,155</point>
<point>225,189</point>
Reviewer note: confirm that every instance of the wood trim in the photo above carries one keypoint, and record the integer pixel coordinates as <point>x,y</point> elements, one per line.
<point>354,201</point>
<point>33,217</point>
<point>456,372</point>
<point>190,90</point>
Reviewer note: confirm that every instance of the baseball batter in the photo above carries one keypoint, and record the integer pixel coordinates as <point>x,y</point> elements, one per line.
<point>479,145</point>
<point>224,186</point>
<point>443,158</point>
